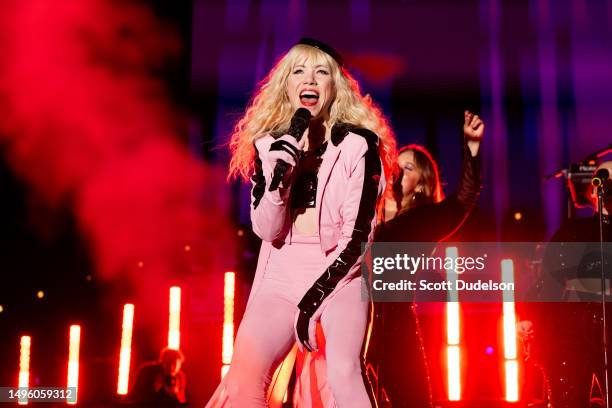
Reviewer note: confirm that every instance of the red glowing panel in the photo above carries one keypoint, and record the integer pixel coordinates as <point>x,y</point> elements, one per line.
<point>126,349</point>
<point>227,349</point>
<point>454,373</point>
<point>174,324</point>
<point>453,333</point>
<point>73,360</point>
<point>24,366</point>
<point>509,324</point>
<point>512,394</point>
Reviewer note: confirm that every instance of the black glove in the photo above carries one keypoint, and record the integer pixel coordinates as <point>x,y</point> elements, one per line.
<point>316,295</point>
<point>289,145</point>
<point>285,152</point>
<point>301,328</point>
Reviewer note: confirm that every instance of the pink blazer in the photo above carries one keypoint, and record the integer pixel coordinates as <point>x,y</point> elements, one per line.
<point>350,184</point>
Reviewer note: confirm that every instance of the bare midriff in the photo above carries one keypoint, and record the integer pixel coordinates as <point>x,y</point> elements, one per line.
<point>306,222</point>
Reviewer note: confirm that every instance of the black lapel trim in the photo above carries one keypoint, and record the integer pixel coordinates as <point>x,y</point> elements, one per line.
<point>258,180</point>
<point>367,208</point>
<point>340,130</point>
<point>326,283</point>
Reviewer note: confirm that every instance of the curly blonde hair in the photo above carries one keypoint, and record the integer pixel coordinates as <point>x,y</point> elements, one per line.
<point>270,110</point>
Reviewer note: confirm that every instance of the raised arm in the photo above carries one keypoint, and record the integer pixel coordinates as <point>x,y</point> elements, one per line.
<point>435,222</point>
<point>471,179</point>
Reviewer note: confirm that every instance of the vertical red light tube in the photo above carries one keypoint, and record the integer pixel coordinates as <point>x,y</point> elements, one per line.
<point>174,319</point>
<point>24,366</point>
<point>227,350</point>
<point>125,351</point>
<point>453,334</point>
<point>509,323</point>
<point>73,361</point>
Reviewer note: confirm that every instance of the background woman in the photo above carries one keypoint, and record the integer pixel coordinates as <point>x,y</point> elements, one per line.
<point>416,211</point>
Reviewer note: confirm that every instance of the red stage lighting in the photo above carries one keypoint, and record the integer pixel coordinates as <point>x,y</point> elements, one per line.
<point>509,318</point>
<point>24,366</point>
<point>174,324</point>
<point>73,361</point>
<point>227,349</point>
<point>453,335</point>
<point>126,349</point>
<point>277,392</point>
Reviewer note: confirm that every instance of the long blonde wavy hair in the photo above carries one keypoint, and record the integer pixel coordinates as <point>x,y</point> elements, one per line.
<point>270,110</point>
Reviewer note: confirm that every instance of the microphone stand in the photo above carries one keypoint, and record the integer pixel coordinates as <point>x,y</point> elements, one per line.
<point>600,194</point>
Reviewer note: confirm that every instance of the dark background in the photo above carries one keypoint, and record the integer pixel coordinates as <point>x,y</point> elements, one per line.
<point>537,72</point>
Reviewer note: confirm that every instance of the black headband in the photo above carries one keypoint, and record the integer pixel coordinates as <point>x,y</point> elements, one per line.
<point>323,47</point>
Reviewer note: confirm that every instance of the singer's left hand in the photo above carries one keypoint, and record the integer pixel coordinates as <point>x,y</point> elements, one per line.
<point>473,130</point>
<point>288,150</point>
<point>305,332</point>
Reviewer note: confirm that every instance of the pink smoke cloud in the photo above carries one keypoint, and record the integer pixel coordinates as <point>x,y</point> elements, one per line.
<point>86,123</point>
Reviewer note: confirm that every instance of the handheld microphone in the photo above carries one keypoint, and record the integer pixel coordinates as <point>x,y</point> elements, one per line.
<point>600,177</point>
<point>299,124</point>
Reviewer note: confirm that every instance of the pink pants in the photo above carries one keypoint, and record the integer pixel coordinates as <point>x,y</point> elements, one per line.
<point>266,332</point>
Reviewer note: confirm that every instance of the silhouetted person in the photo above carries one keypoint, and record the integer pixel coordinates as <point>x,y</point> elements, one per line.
<point>160,383</point>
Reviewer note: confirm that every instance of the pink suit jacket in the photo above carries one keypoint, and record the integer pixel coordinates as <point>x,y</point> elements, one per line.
<point>350,184</point>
